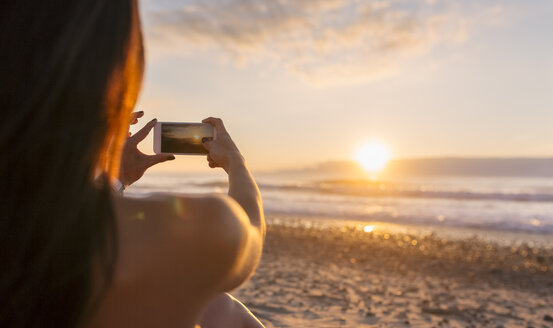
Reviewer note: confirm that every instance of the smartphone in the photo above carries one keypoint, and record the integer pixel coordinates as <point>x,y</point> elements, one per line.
<point>181,138</point>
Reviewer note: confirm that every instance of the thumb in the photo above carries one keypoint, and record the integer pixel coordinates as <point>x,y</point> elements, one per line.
<point>158,158</point>
<point>206,144</point>
<point>142,133</point>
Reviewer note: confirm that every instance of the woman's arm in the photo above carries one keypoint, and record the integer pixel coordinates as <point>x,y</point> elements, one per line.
<point>242,187</point>
<point>177,252</point>
<point>244,191</point>
<point>226,311</point>
<point>241,214</point>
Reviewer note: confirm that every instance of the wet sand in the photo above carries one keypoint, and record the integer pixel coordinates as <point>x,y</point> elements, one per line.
<point>330,274</point>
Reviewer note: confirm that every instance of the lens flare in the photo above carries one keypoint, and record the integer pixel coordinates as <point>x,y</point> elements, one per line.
<point>368,228</point>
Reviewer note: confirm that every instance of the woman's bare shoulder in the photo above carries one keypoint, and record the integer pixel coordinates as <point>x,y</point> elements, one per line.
<point>177,245</point>
<point>175,253</point>
<point>178,228</point>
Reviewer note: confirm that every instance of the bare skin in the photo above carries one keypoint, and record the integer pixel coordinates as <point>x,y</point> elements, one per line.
<point>134,162</point>
<point>178,253</point>
<point>226,311</point>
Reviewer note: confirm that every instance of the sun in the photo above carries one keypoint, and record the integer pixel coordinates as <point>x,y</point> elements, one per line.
<point>373,156</point>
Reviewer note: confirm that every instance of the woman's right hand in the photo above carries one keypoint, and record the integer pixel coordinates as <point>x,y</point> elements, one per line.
<point>222,150</point>
<point>242,187</point>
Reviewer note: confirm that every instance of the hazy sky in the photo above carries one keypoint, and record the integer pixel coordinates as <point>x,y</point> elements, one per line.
<point>303,81</point>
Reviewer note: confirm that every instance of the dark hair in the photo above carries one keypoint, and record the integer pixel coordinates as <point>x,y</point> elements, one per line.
<point>68,81</point>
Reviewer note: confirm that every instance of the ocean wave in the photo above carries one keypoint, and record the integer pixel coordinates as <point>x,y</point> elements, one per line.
<point>373,189</point>
<point>518,205</point>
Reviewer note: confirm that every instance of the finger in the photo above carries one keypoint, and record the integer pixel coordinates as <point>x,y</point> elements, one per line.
<point>211,162</point>
<point>217,123</point>
<point>142,133</point>
<point>207,144</point>
<point>128,134</point>
<point>135,116</point>
<point>152,160</point>
<point>212,165</point>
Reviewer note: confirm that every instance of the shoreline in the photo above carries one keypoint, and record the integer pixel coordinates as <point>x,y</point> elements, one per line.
<point>504,237</point>
<point>328,273</point>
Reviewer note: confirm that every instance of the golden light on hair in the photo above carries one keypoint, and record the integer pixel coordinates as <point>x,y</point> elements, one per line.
<point>122,93</point>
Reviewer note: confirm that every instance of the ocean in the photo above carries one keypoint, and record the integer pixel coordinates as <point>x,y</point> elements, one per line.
<point>519,204</point>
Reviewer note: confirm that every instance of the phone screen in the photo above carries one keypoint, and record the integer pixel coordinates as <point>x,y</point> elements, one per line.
<point>184,138</point>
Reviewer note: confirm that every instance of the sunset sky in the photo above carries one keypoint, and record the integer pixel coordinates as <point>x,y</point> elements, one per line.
<point>301,82</point>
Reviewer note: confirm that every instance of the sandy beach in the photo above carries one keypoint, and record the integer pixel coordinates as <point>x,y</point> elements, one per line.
<point>321,273</point>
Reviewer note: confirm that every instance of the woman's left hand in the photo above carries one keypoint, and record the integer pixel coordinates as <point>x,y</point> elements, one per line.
<point>134,162</point>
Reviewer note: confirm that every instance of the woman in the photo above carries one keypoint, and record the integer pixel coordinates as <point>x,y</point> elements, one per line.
<point>74,253</point>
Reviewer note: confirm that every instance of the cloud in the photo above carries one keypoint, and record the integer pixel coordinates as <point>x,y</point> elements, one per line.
<point>323,41</point>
